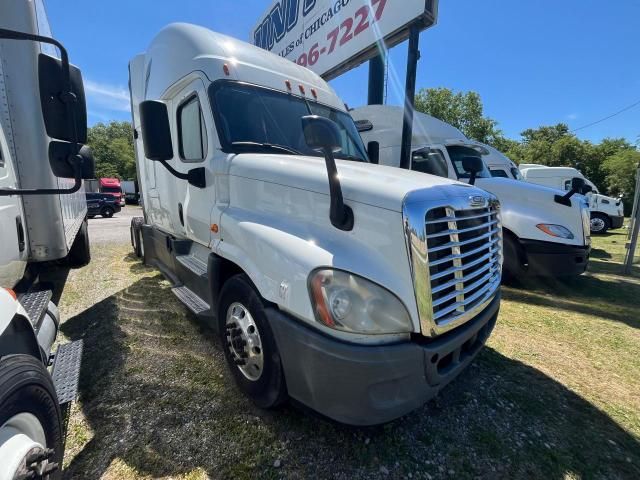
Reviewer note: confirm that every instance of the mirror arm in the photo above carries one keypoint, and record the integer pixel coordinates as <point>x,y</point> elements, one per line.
<point>8,192</point>
<point>472,178</point>
<point>565,199</point>
<point>341,215</point>
<point>174,172</point>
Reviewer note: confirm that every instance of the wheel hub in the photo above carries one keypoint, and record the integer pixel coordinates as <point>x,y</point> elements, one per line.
<point>23,454</point>
<point>244,342</point>
<point>597,224</point>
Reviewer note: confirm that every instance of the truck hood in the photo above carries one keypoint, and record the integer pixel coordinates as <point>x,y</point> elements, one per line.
<point>376,185</point>
<point>524,205</point>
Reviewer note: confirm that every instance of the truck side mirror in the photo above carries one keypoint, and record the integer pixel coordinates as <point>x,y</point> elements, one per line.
<point>323,134</point>
<point>373,149</point>
<point>64,112</point>
<point>65,158</point>
<point>578,185</point>
<point>156,132</point>
<point>320,133</point>
<point>473,166</point>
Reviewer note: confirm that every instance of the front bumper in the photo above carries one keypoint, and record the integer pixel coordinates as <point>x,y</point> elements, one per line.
<point>369,385</point>
<point>555,259</point>
<point>616,222</point>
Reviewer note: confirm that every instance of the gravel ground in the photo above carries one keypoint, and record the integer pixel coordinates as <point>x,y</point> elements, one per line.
<point>114,230</point>
<point>156,399</point>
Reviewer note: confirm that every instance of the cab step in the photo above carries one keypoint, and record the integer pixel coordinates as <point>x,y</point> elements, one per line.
<point>193,264</point>
<point>36,304</point>
<point>66,371</point>
<point>191,300</point>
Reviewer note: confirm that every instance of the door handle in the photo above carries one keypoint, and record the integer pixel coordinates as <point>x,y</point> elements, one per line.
<point>180,214</point>
<point>20,229</point>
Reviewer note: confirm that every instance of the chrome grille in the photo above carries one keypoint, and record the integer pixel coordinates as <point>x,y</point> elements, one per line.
<point>464,251</point>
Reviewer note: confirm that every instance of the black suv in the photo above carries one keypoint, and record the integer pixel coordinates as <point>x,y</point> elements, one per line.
<point>102,204</point>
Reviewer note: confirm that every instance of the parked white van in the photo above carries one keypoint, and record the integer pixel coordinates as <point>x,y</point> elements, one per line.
<point>359,290</point>
<point>606,212</point>
<point>545,233</point>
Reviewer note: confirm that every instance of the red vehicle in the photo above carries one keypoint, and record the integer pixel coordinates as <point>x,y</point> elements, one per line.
<point>112,186</point>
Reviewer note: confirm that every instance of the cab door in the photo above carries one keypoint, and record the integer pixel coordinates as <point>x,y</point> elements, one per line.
<point>194,147</point>
<point>13,237</point>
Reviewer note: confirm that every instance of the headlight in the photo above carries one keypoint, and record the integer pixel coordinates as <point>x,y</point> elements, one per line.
<point>352,304</point>
<point>556,230</point>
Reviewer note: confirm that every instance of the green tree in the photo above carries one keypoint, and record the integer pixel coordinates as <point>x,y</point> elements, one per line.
<point>621,171</point>
<point>462,110</point>
<point>112,146</point>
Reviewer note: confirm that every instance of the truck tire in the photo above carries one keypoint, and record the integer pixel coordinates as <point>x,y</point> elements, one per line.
<point>80,252</point>
<point>107,212</point>
<point>513,266</point>
<point>30,419</point>
<point>136,236</point>
<point>248,343</point>
<point>600,223</point>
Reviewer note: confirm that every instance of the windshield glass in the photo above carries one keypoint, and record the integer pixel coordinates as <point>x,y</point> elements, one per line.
<point>263,119</point>
<point>431,161</point>
<point>111,190</point>
<point>498,172</point>
<point>457,153</point>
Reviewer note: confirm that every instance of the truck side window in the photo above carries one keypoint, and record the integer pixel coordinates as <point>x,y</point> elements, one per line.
<point>192,134</point>
<point>429,161</point>
<point>567,185</point>
<point>498,173</point>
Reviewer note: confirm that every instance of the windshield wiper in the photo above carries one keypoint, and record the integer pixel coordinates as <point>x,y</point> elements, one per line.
<point>266,146</point>
<point>350,157</point>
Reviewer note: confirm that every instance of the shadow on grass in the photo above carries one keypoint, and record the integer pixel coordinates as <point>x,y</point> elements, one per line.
<point>156,394</point>
<point>614,297</point>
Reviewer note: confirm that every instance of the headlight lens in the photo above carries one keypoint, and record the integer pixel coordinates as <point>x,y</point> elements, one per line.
<point>556,230</point>
<point>350,303</point>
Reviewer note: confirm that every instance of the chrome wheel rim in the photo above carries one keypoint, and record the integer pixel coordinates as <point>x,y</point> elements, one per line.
<point>22,437</point>
<point>244,342</point>
<point>597,224</point>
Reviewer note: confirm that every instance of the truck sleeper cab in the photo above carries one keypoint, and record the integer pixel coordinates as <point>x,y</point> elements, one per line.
<point>361,320</point>
<point>541,236</point>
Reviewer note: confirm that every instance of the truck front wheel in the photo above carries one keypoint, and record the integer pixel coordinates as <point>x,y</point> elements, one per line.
<point>248,343</point>
<point>30,420</point>
<point>513,264</point>
<point>600,223</point>
<point>80,252</point>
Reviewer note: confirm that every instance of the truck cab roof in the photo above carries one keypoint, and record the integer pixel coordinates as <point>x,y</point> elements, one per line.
<point>219,57</point>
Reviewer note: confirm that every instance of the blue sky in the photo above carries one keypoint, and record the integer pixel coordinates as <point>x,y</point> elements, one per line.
<point>534,62</point>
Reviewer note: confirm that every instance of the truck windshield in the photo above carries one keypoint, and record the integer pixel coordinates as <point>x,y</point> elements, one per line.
<point>256,119</point>
<point>457,153</point>
<point>111,190</point>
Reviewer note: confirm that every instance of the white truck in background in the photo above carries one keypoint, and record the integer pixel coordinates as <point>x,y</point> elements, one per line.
<point>545,233</point>
<point>606,212</point>
<point>357,289</point>
<point>42,225</point>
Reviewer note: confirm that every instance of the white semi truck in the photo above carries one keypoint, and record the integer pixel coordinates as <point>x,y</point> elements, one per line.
<point>359,290</point>
<point>42,224</point>
<point>546,232</point>
<point>606,212</point>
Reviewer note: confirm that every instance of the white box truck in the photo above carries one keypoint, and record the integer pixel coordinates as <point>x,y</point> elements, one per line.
<point>42,223</point>
<point>358,290</point>
<point>606,212</point>
<point>545,232</point>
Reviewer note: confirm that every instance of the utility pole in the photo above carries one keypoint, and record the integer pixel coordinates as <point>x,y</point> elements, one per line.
<point>634,228</point>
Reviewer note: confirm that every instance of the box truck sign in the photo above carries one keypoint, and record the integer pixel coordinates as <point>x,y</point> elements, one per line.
<point>333,36</point>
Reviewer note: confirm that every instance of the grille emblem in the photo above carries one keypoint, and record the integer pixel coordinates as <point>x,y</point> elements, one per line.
<point>477,201</point>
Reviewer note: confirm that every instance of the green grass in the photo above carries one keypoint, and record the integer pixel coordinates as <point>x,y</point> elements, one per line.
<point>554,395</point>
